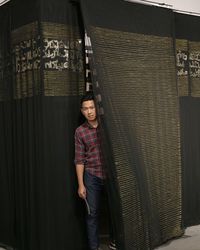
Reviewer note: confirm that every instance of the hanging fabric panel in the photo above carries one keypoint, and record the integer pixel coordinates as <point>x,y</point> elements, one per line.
<point>134,79</point>
<point>46,41</point>
<point>6,148</point>
<point>188,77</point>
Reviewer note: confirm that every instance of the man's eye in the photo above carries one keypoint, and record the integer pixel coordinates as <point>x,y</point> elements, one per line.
<point>90,108</point>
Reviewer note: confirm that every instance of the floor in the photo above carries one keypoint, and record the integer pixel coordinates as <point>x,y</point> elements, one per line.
<point>189,241</point>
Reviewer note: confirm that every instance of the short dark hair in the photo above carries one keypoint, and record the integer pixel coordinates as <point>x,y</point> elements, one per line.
<point>87,97</point>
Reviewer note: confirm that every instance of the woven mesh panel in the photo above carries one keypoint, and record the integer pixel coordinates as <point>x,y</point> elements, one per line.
<point>26,54</point>
<point>5,55</point>
<point>194,62</point>
<point>47,60</point>
<point>188,67</point>
<point>182,66</point>
<point>62,60</point>
<point>137,83</point>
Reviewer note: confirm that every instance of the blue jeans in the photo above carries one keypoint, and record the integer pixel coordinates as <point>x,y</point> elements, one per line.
<point>94,187</point>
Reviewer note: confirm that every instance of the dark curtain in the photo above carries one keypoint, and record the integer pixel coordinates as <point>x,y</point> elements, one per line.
<point>47,80</point>
<point>134,79</point>
<point>188,78</point>
<point>146,131</point>
<point>6,146</point>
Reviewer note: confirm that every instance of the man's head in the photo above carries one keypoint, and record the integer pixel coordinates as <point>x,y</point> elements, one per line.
<point>88,108</point>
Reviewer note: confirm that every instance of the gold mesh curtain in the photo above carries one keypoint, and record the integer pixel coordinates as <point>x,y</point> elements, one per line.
<point>134,79</point>
<point>26,46</point>
<point>48,55</point>
<point>60,54</point>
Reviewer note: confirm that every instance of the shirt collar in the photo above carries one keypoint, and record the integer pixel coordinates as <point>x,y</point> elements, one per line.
<point>89,125</point>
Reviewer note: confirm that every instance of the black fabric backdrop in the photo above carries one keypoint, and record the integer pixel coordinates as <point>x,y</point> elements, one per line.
<point>47,56</point>
<point>134,79</point>
<point>188,66</point>
<point>7,206</point>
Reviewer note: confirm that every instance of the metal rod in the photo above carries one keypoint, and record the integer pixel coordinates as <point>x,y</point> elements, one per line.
<point>187,12</point>
<point>152,2</point>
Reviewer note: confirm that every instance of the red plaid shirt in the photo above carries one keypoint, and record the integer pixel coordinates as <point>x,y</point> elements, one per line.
<point>88,150</point>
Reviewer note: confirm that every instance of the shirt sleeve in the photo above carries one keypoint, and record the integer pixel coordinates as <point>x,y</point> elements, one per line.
<point>79,149</point>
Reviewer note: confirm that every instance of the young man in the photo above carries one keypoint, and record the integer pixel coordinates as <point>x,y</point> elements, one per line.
<point>89,167</point>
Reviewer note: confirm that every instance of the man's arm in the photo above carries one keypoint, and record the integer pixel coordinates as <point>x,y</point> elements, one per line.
<point>79,162</point>
<point>81,186</point>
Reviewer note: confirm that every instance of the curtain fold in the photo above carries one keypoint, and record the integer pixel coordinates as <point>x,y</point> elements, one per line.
<point>132,61</point>
<point>6,141</point>
<point>47,80</point>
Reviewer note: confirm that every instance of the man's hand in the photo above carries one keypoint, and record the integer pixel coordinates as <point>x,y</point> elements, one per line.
<point>81,186</point>
<point>82,192</point>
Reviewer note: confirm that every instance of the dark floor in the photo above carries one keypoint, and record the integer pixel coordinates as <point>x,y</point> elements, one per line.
<point>189,241</point>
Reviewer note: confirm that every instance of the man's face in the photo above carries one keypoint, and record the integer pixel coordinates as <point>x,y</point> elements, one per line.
<point>88,110</point>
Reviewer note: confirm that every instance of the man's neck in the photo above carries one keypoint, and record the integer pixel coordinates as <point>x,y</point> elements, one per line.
<point>94,123</point>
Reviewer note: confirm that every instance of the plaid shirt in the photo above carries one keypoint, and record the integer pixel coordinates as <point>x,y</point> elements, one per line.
<point>87,149</point>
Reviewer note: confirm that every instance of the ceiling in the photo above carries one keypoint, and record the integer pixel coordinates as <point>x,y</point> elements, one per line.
<point>3,2</point>
<point>181,5</point>
<point>178,5</point>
